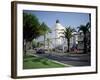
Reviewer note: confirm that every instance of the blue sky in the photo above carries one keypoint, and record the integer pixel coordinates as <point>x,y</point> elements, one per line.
<point>65,18</point>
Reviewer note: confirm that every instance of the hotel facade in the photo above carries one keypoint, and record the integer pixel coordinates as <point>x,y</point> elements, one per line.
<point>57,39</point>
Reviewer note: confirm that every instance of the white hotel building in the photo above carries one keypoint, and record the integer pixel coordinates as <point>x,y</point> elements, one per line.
<point>59,41</point>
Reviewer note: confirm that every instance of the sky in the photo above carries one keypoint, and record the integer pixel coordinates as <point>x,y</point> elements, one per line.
<point>65,18</point>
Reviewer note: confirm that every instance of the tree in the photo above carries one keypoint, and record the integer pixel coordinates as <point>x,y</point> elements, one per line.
<point>68,34</point>
<point>89,41</point>
<point>45,30</point>
<point>85,30</point>
<point>31,29</point>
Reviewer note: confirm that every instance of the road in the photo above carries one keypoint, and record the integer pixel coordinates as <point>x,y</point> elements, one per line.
<point>73,59</point>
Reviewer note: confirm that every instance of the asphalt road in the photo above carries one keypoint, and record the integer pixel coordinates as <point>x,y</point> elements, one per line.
<point>73,59</point>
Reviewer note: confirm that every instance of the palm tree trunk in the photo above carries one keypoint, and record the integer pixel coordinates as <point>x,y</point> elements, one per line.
<point>85,44</point>
<point>90,33</point>
<point>68,42</point>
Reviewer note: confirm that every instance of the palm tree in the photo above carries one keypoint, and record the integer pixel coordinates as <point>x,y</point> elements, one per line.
<point>45,30</point>
<point>89,41</point>
<point>85,30</point>
<point>68,34</point>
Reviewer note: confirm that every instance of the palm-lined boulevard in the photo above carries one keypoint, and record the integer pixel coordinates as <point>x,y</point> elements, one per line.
<point>40,54</point>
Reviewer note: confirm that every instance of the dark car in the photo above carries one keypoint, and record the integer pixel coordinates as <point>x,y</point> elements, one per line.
<point>40,51</point>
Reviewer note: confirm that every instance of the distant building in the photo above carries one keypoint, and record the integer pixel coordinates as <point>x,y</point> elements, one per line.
<point>58,39</point>
<point>59,34</point>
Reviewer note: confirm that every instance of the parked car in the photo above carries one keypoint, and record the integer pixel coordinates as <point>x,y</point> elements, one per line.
<point>40,51</point>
